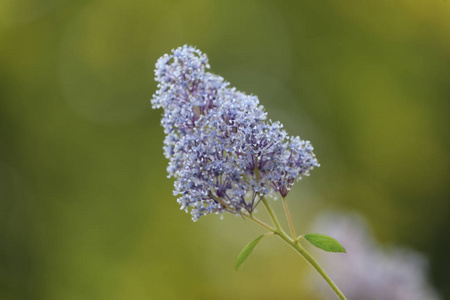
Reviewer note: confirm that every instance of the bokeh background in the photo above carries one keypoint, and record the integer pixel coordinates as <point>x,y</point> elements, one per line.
<point>86,210</point>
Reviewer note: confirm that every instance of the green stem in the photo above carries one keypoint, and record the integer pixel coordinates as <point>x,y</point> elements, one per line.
<point>272,215</point>
<point>288,216</point>
<point>261,223</point>
<point>302,251</point>
<point>294,243</point>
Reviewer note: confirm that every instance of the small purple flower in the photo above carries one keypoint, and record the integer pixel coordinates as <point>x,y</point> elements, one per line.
<point>223,152</point>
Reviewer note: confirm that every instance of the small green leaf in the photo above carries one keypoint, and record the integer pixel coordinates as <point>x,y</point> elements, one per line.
<point>247,251</point>
<point>324,242</point>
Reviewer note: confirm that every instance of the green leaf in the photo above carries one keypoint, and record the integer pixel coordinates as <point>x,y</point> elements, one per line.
<point>324,242</point>
<point>247,251</point>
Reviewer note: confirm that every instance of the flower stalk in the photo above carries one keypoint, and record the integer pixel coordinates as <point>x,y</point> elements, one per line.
<point>295,244</point>
<point>288,216</point>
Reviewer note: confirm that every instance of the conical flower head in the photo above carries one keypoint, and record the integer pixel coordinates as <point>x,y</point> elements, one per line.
<point>223,152</point>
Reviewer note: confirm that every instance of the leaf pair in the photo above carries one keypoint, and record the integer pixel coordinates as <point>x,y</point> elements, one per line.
<point>321,241</point>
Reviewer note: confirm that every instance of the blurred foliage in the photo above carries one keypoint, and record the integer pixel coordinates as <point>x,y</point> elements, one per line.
<point>86,210</point>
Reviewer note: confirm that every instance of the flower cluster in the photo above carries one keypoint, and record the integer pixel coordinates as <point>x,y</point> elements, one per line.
<point>224,153</point>
<point>371,271</point>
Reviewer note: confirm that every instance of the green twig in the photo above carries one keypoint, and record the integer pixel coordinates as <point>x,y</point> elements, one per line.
<point>294,243</point>
<point>288,216</point>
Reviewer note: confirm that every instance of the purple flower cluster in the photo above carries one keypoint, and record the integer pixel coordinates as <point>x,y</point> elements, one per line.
<point>223,152</point>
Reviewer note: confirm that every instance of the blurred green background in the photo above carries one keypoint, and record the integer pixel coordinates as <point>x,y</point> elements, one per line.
<point>86,210</point>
